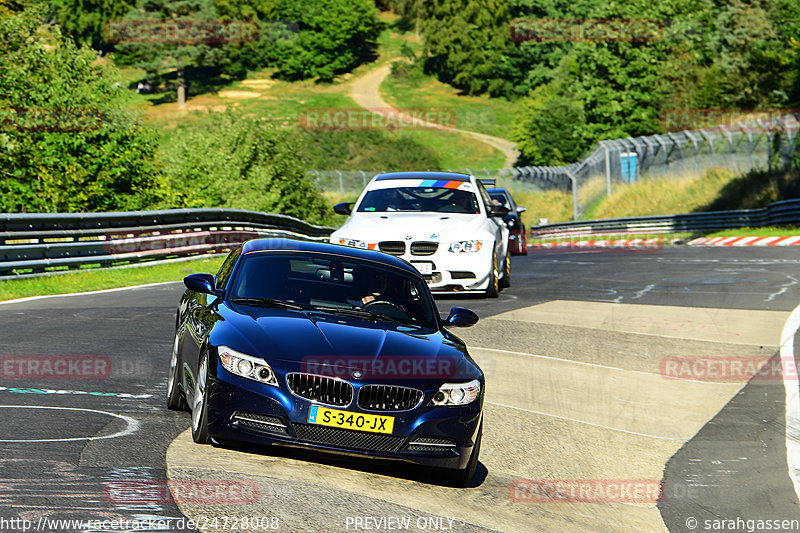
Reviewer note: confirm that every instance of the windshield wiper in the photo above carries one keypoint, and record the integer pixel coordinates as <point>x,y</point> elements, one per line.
<point>352,311</point>
<point>268,302</point>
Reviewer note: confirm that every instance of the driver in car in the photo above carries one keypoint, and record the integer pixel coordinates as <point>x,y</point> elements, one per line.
<point>371,287</point>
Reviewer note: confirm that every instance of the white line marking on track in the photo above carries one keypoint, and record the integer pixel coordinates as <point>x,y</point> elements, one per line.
<point>31,298</point>
<point>790,385</point>
<point>596,365</point>
<point>783,289</point>
<point>586,423</point>
<point>132,424</point>
<point>642,292</point>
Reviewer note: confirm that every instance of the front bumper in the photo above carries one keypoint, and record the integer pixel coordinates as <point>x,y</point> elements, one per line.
<point>247,411</point>
<point>463,272</point>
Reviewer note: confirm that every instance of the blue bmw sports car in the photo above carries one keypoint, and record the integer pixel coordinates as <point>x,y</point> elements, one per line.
<point>328,347</point>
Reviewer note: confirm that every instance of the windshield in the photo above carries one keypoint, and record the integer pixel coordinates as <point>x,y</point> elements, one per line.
<point>419,199</point>
<point>499,198</point>
<point>329,283</point>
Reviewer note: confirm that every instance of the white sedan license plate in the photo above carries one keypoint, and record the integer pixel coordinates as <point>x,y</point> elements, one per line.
<point>424,268</point>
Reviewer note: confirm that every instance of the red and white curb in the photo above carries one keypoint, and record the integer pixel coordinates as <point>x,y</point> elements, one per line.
<point>605,243</point>
<point>746,241</point>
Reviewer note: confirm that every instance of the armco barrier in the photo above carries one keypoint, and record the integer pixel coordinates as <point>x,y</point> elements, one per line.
<point>40,242</point>
<point>784,213</point>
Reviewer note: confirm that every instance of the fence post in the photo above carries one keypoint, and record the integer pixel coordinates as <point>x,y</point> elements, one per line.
<point>608,168</point>
<point>710,140</point>
<point>574,193</point>
<point>788,143</point>
<point>694,144</point>
<point>341,183</point>
<point>749,143</point>
<point>769,143</point>
<point>730,144</point>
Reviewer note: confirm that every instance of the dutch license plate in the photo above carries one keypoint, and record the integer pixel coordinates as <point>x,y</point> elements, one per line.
<point>424,268</point>
<point>345,419</point>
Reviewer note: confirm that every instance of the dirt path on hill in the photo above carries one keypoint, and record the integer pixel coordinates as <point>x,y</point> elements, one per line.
<point>365,91</point>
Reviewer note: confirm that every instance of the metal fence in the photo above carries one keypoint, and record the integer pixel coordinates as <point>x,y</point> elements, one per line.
<point>35,244</point>
<point>783,213</point>
<point>747,146</point>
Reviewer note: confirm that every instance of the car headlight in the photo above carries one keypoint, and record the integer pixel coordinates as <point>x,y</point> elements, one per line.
<point>465,246</point>
<point>247,366</point>
<point>355,243</point>
<point>456,393</point>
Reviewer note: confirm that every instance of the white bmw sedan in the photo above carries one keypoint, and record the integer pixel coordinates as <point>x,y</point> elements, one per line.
<point>444,224</point>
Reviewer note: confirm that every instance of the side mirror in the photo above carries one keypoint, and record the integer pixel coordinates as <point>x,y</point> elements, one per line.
<point>521,209</point>
<point>498,211</point>
<point>203,283</point>
<point>461,317</point>
<point>343,208</point>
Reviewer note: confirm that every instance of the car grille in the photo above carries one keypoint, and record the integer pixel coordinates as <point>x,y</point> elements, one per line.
<point>388,398</point>
<point>272,425</point>
<point>454,274</point>
<point>320,389</point>
<point>392,247</point>
<point>343,438</point>
<point>424,248</point>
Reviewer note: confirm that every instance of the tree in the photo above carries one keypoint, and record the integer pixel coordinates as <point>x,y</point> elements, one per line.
<point>174,35</point>
<point>242,162</point>
<point>464,40</point>
<point>334,36</point>
<point>66,142</point>
<point>86,20</point>
<point>551,126</point>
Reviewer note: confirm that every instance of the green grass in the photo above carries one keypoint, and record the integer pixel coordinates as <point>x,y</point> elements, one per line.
<point>771,231</point>
<point>284,104</point>
<point>665,237</point>
<point>92,280</point>
<point>661,196</point>
<point>492,116</point>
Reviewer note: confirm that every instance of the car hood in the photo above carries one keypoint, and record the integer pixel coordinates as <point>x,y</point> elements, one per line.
<point>375,227</point>
<point>326,344</point>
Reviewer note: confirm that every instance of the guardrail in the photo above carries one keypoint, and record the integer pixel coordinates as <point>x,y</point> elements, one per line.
<point>783,213</point>
<point>41,242</point>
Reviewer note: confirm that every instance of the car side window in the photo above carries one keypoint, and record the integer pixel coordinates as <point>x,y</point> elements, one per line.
<point>227,267</point>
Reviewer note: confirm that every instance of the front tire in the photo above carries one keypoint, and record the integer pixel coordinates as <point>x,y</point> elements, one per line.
<point>505,281</point>
<point>493,290</point>
<point>461,478</point>
<point>524,246</point>
<point>175,399</point>
<point>200,403</point>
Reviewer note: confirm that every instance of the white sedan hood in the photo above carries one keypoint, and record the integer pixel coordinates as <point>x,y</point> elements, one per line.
<point>402,226</point>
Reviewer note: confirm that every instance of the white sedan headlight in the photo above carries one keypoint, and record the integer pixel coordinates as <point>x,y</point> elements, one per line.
<point>246,366</point>
<point>465,246</point>
<point>457,393</point>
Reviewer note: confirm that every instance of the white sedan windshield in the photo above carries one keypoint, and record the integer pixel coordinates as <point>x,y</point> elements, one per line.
<point>420,199</point>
